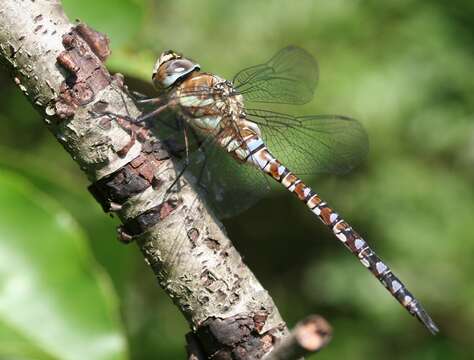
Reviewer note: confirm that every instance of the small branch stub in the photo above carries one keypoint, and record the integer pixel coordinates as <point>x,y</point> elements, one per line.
<point>309,336</point>
<point>193,348</point>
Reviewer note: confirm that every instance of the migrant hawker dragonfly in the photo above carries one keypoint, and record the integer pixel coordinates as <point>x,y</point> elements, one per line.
<point>216,121</point>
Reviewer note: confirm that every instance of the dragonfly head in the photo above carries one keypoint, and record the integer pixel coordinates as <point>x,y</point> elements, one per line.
<point>171,67</point>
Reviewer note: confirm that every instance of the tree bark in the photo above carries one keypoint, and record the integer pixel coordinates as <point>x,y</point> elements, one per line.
<point>58,67</point>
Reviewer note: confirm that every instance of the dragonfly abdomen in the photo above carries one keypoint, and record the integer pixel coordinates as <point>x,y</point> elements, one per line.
<point>261,157</point>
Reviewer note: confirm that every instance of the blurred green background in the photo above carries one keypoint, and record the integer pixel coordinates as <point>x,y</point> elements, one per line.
<point>69,290</point>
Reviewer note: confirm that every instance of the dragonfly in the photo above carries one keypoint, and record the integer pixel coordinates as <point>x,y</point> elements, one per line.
<point>232,150</point>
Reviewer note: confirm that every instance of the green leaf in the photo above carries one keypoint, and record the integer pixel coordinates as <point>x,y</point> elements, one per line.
<point>15,346</point>
<point>55,302</point>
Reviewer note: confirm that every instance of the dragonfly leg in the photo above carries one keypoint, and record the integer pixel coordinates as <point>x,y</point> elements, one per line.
<point>198,139</point>
<point>138,97</point>
<point>204,164</point>
<point>186,145</point>
<point>150,115</point>
<point>96,114</point>
<point>186,160</point>
<point>137,120</point>
<point>201,173</point>
<point>148,101</point>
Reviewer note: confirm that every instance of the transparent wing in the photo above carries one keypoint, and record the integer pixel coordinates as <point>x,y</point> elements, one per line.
<point>312,144</point>
<point>230,186</point>
<point>289,77</point>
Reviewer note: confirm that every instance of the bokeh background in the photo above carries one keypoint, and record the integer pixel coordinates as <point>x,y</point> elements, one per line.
<point>69,290</point>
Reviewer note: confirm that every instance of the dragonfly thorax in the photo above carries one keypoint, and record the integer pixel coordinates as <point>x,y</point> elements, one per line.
<point>207,102</point>
<point>212,107</point>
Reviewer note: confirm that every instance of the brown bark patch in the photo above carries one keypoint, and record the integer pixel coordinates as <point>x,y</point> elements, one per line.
<point>86,74</point>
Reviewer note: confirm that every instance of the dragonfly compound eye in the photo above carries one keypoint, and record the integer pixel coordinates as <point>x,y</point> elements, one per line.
<point>170,68</point>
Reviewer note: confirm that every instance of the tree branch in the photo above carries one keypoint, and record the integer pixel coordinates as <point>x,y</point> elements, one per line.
<point>59,68</point>
<point>309,336</point>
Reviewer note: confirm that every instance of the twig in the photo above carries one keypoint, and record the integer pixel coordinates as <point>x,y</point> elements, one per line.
<point>309,336</point>
<point>59,69</point>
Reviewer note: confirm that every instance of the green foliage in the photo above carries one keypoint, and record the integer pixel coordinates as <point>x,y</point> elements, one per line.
<point>402,68</point>
<point>55,302</point>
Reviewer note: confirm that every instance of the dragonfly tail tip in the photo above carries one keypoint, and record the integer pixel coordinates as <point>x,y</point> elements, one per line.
<point>432,327</point>
<point>423,316</point>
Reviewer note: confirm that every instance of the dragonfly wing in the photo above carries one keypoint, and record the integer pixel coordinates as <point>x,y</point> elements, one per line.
<point>289,77</point>
<point>313,144</point>
<point>230,186</point>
